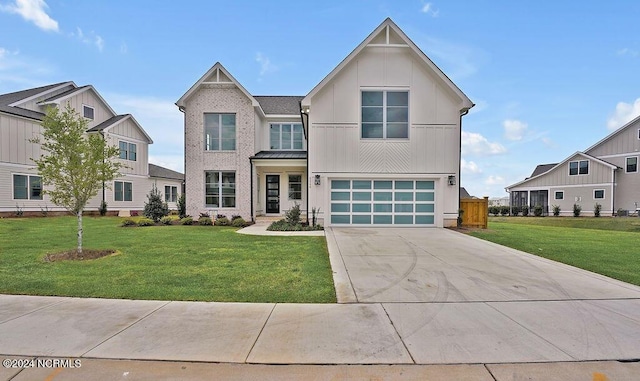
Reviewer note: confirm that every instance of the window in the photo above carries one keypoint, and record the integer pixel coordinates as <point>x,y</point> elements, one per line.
<point>170,193</point>
<point>219,132</point>
<point>27,187</point>
<point>295,187</point>
<point>598,193</point>
<point>285,136</point>
<point>559,195</point>
<point>122,191</point>
<point>127,151</point>
<point>632,164</point>
<point>220,189</point>
<point>579,167</point>
<point>385,115</point>
<point>87,112</point>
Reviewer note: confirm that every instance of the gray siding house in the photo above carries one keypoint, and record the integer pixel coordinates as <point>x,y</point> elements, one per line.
<point>376,142</point>
<point>21,114</point>
<point>605,173</point>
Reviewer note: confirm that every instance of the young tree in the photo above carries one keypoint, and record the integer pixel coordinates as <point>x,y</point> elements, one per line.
<point>155,208</point>
<point>75,164</point>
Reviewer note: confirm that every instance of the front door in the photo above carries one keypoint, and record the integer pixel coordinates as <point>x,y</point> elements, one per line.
<point>273,193</point>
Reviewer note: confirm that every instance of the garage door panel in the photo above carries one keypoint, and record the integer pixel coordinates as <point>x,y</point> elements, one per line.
<point>382,202</point>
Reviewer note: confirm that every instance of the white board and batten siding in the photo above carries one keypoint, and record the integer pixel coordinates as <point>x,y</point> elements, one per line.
<point>431,153</point>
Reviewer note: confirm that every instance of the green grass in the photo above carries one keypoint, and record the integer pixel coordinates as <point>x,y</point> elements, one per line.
<point>609,246</point>
<point>201,263</point>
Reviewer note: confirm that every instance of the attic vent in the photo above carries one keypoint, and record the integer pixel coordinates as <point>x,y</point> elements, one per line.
<point>87,112</point>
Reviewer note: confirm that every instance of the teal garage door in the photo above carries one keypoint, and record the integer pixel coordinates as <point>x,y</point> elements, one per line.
<point>382,202</point>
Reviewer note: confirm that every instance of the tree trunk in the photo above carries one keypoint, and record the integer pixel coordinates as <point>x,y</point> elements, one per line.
<point>79,233</point>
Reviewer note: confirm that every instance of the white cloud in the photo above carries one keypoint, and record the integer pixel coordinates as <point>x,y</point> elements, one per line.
<point>18,72</point>
<point>34,11</point>
<point>91,39</point>
<point>628,52</point>
<point>457,60</point>
<point>623,114</point>
<point>514,129</point>
<point>494,180</point>
<point>265,64</point>
<point>430,10</point>
<point>469,167</point>
<point>476,144</point>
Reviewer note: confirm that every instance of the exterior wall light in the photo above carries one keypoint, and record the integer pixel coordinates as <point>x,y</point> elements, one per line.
<point>317,180</point>
<point>451,180</point>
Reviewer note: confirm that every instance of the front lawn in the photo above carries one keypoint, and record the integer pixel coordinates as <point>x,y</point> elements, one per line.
<point>203,263</point>
<point>610,246</point>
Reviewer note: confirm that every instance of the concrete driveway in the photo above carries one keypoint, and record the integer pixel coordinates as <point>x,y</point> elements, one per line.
<point>439,265</point>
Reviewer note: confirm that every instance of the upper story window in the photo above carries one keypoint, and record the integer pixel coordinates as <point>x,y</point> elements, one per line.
<point>579,167</point>
<point>632,164</point>
<point>128,151</point>
<point>385,115</point>
<point>285,136</point>
<point>27,187</point>
<point>87,112</point>
<point>219,132</point>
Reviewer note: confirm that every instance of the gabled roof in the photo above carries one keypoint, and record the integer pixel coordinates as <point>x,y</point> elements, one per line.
<point>215,71</point>
<point>388,25</point>
<point>9,102</point>
<point>464,193</point>
<point>611,135</point>
<point>542,168</point>
<point>115,120</point>
<point>164,173</point>
<point>280,155</point>
<point>57,99</point>
<point>586,156</point>
<point>280,104</point>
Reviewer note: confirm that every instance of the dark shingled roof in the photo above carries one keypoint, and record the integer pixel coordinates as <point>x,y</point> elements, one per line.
<point>464,193</point>
<point>63,94</point>
<point>165,173</point>
<point>107,123</point>
<point>280,155</point>
<point>7,99</point>
<point>280,104</point>
<point>542,168</point>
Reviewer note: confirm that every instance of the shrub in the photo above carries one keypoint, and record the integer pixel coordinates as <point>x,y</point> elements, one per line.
<point>220,216</point>
<point>283,225</point>
<point>103,208</point>
<point>205,221</point>
<point>596,210</point>
<point>235,217</point>
<point>460,217</point>
<point>504,210</point>
<point>238,222</point>
<point>494,210</point>
<point>44,211</point>
<point>314,215</point>
<point>621,213</point>
<point>525,210</point>
<point>205,214</point>
<point>166,220</point>
<point>134,213</point>
<point>515,210</point>
<point>145,222</point>
<point>576,210</point>
<point>155,208</point>
<point>19,211</point>
<point>128,222</point>
<point>537,210</point>
<point>223,221</point>
<point>293,215</point>
<point>556,210</point>
<point>182,206</point>
<point>186,220</point>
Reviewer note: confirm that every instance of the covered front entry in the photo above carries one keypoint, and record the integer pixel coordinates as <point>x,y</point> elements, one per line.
<point>382,202</point>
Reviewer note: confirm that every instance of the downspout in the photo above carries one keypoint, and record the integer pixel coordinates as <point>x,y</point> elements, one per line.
<point>306,135</point>
<point>251,186</point>
<point>184,183</point>
<point>465,112</point>
<point>613,192</point>
<point>103,184</point>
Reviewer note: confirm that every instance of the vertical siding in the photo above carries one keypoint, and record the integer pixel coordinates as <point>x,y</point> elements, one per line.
<point>598,174</point>
<point>141,165</point>
<point>15,133</point>
<point>88,97</point>
<point>129,129</point>
<point>622,142</point>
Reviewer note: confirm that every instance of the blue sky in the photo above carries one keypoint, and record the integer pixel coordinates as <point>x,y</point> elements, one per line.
<point>548,78</point>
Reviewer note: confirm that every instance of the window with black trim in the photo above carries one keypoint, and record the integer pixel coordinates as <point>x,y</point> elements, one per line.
<point>579,167</point>
<point>295,187</point>
<point>285,136</point>
<point>559,195</point>
<point>598,193</point>
<point>632,164</point>
<point>87,112</point>
<point>219,132</point>
<point>128,151</point>
<point>170,193</point>
<point>27,187</point>
<point>385,115</point>
<point>122,191</point>
<point>220,189</point>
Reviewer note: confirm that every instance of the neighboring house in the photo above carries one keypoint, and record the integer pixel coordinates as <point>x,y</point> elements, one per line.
<point>377,141</point>
<point>499,201</point>
<point>605,173</point>
<point>168,182</point>
<point>21,114</point>
<point>465,194</point>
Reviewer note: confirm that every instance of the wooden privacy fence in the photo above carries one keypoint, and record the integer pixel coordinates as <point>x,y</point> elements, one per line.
<point>476,212</point>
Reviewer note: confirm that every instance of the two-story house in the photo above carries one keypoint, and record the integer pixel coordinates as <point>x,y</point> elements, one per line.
<point>21,115</point>
<point>605,173</point>
<point>376,142</point>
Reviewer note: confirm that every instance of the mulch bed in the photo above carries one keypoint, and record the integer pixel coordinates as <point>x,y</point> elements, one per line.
<point>72,255</point>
